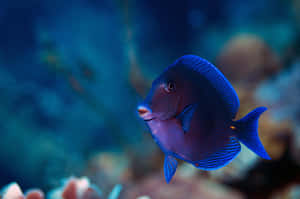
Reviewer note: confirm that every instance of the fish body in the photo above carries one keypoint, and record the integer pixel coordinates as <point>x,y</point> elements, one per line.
<point>186,146</point>
<point>190,111</point>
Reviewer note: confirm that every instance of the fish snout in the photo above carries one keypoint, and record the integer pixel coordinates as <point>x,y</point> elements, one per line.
<point>144,112</point>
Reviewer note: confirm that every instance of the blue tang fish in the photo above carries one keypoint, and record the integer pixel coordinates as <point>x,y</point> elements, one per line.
<point>190,111</point>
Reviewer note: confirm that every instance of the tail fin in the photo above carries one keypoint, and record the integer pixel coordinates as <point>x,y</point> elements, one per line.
<point>246,132</point>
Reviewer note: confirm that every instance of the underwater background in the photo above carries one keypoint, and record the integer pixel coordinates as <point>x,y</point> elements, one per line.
<point>73,72</point>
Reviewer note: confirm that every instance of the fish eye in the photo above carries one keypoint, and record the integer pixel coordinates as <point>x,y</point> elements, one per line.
<point>170,87</point>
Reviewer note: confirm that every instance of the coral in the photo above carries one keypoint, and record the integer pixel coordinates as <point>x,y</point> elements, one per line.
<point>247,59</point>
<point>270,132</point>
<point>143,197</point>
<point>282,94</point>
<point>267,178</point>
<point>13,191</point>
<point>139,81</point>
<point>290,192</point>
<point>107,168</point>
<point>72,188</point>
<point>293,192</point>
<point>189,188</point>
<point>277,92</point>
<point>76,188</point>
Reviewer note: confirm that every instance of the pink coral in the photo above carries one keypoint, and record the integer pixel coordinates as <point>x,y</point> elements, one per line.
<point>74,188</point>
<point>13,191</point>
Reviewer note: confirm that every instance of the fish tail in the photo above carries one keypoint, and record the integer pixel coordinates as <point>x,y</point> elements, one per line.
<point>247,133</point>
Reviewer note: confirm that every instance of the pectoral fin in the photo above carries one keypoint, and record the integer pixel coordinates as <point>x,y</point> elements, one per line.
<point>186,116</point>
<point>170,166</point>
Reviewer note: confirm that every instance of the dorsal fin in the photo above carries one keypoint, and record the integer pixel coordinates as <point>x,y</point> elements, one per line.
<point>215,78</point>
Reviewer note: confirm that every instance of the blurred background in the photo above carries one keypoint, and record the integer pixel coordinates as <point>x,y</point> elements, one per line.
<point>72,73</point>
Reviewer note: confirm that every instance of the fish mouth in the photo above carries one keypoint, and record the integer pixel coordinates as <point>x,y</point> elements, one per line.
<point>148,120</point>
